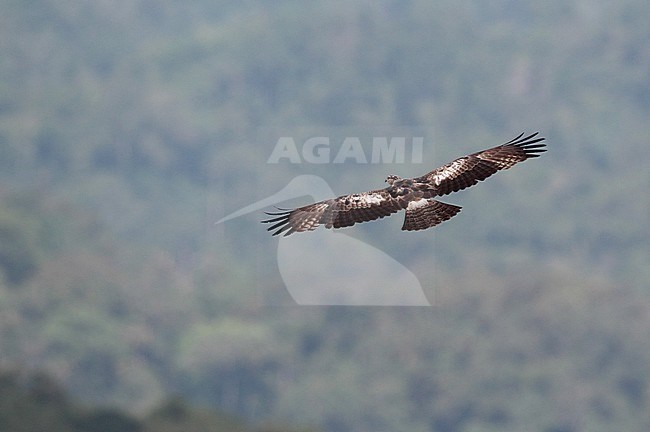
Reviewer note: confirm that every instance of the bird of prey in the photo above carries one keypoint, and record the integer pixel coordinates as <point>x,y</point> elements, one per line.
<point>415,195</point>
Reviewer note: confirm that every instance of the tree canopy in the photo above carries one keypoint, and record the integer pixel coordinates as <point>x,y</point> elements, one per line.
<point>127,128</point>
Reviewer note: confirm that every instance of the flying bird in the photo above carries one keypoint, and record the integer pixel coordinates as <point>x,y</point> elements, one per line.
<point>415,195</point>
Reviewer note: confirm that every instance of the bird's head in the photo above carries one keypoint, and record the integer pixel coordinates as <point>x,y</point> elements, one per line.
<point>391,178</point>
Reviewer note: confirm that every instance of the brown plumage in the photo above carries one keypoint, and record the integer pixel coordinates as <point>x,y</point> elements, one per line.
<point>413,195</point>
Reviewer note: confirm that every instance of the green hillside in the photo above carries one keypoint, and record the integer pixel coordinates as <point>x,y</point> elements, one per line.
<point>128,128</point>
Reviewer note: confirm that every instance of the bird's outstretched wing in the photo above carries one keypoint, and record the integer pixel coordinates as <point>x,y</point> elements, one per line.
<point>338,212</point>
<point>469,170</point>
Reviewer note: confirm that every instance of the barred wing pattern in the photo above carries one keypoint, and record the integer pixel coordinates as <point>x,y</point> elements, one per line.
<point>469,170</point>
<point>427,213</point>
<point>338,212</point>
<point>413,195</point>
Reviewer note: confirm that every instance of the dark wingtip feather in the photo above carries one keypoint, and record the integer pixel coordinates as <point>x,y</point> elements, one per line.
<point>532,146</point>
<point>280,223</point>
<point>280,215</point>
<point>283,217</point>
<point>277,222</point>
<point>279,230</point>
<point>281,212</point>
<point>515,139</point>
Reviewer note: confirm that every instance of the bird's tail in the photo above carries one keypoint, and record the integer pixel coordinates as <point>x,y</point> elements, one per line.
<point>427,213</point>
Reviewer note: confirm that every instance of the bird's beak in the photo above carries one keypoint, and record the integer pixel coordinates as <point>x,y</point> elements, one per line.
<point>263,203</point>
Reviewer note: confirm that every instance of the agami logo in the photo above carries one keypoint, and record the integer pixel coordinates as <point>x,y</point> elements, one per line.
<point>322,150</point>
<point>313,266</point>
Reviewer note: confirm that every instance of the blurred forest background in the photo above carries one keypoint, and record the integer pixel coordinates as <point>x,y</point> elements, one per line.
<point>128,127</point>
